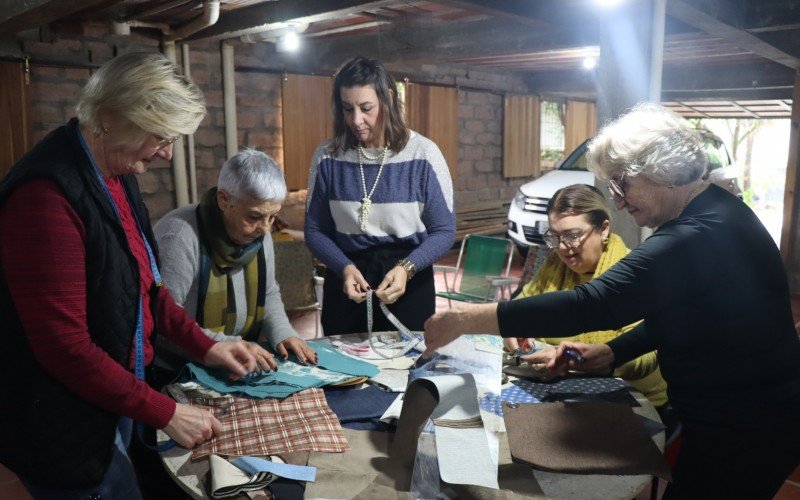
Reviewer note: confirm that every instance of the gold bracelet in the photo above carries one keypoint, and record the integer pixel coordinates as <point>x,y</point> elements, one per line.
<point>409,266</point>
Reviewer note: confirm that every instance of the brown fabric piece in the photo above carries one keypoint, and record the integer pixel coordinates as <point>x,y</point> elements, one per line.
<point>413,416</point>
<point>582,438</point>
<point>366,467</point>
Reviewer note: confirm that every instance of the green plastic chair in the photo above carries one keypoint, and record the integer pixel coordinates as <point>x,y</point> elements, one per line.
<point>486,263</point>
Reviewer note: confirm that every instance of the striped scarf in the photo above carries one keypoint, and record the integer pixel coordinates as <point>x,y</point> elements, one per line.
<point>219,256</point>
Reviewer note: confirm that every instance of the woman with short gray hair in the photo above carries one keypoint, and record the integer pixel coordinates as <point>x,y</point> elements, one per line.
<point>711,287</point>
<point>251,173</point>
<point>221,249</point>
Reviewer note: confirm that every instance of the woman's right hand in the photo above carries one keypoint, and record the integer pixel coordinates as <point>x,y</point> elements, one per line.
<point>355,286</point>
<point>511,344</point>
<point>191,426</point>
<point>597,358</point>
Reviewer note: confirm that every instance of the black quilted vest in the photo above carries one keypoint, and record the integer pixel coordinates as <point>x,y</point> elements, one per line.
<point>48,435</point>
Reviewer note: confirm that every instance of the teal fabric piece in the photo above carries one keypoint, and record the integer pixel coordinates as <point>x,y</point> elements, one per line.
<point>262,387</point>
<point>333,367</point>
<point>331,359</point>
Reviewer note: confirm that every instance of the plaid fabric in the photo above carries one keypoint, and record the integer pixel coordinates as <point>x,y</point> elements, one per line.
<point>301,422</point>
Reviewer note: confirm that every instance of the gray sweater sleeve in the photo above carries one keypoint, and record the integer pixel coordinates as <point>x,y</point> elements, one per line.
<point>276,327</point>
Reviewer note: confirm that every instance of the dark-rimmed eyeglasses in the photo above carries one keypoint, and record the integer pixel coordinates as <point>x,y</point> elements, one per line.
<point>573,239</point>
<point>617,187</point>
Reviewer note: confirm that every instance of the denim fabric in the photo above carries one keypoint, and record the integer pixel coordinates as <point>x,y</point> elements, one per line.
<point>119,482</point>
<point>361,408</point>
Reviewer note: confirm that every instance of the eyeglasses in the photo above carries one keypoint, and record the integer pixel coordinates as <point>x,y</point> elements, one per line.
<point>617,188</point>
<point>570,240</point>
<point>162,142</point>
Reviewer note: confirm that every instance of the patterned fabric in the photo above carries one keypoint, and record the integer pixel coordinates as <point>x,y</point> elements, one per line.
<point>493,403</point>
<point>302,422</point>
<point>571,387</point>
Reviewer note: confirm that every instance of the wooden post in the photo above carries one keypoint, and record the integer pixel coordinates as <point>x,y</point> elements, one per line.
<point>789,233</point>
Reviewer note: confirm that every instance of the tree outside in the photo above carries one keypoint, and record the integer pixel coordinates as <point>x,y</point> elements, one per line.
<point>760,150</point>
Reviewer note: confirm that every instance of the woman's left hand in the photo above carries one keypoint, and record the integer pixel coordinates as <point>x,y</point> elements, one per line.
<point>393,285</point>
<point>299,347</point>
<point>233,355</point>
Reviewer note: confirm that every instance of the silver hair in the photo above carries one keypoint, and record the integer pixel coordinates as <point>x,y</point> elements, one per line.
<point>252,173</point>
<point>652,141</point>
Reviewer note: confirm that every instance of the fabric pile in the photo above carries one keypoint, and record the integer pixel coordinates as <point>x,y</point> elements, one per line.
<point>332,367</point>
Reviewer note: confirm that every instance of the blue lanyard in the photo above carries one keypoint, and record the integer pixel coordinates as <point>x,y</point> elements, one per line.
<point>139,337</point>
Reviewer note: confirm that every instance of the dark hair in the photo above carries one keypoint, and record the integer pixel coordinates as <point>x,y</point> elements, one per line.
<point>360,71</point>
<point>580,199</point>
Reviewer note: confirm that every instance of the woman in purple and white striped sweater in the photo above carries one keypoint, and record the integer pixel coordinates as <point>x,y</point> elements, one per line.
<point>380,205</point>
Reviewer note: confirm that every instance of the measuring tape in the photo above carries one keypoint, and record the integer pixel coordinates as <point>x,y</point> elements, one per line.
<point>403,346</point>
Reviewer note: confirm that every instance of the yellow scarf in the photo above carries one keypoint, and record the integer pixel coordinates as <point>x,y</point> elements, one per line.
<point>643,372</point>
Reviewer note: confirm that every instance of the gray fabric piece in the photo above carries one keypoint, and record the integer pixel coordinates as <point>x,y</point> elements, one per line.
<point>179,249</point>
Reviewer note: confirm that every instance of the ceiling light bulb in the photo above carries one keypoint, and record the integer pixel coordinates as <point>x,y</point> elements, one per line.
<point>589,63</point>
<point>290,41</point>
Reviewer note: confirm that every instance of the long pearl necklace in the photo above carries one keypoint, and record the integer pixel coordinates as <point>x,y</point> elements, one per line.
<point>366,201</point>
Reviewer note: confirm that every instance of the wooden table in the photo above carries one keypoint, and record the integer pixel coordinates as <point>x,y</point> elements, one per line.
<point>367,471</point>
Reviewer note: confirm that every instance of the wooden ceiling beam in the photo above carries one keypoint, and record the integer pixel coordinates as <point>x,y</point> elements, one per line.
<point>728,82</point>
<point>516,11</point>
<point>693,16</point>
<point>270,15</point>
<point>16,16</point>
<point>450,42</point>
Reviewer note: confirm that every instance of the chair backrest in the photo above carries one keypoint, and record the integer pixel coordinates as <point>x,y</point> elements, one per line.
<point>294,272</point>
<point>534,261</point>
<point>483,256</point>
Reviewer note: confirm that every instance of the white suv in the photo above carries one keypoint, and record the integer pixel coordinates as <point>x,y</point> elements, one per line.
<point>527,217</point>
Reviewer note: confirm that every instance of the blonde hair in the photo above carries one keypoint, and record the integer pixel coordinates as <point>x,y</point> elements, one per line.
<point>142,93</point>
<point>652,141</point>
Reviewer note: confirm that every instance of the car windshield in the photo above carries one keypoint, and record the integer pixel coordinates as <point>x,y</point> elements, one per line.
<point>577,160</point>
<point>717,155</point>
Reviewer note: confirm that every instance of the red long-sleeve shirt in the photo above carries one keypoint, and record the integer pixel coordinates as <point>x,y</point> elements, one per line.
<point>43,253</point>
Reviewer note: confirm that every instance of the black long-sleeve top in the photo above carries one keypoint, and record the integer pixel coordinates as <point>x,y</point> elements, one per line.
<point>714,296</point>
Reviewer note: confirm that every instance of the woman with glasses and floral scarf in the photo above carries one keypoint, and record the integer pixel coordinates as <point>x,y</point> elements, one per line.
<point>712,291</point>
<point>584,248</point>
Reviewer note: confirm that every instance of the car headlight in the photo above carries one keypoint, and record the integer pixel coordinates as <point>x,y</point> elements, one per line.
<point>519,200</point>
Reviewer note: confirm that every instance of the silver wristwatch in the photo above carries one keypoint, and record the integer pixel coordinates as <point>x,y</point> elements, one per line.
<point>409,266</point>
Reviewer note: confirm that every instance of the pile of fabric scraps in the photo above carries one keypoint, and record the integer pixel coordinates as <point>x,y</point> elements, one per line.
<point>291,376</point>
<point>251,474</point>
<point>301,422</point>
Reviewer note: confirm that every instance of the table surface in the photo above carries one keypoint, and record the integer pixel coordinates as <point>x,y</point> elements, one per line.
<point>190,475</point>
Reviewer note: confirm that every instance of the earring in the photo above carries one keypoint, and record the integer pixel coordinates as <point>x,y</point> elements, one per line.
<point>605,240</point>
<point>104,129</point>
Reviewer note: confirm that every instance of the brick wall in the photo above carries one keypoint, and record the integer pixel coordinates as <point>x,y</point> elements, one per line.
<point>480,150</point>
<point>54,89</point>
